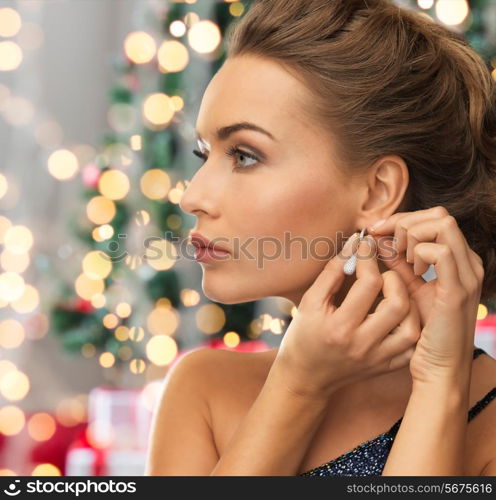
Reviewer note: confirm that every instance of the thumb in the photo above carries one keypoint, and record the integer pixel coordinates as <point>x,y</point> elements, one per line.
<point>331,278</point>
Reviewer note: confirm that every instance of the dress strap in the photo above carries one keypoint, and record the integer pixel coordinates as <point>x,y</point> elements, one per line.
<point>481,404</point>
<point>478,351</point>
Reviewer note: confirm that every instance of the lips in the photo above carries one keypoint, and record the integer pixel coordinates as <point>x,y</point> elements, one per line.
<point>200,241</point>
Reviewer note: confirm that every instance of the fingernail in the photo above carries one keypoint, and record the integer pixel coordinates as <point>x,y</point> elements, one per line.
<point>348,246</point>
<point>365,247</point>
<point>408,256</point>
<point>377,224</point>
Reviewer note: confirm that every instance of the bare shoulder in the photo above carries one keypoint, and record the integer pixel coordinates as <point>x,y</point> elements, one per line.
<point>230,383</point>
<point>201,392</point>
<point>212,369</point>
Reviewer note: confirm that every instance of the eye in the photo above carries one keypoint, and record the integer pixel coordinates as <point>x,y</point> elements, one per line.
<point>233,151</point>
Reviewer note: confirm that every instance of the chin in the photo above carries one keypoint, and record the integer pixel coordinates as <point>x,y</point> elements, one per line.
<point>223,298</point>
<point>222,294</point>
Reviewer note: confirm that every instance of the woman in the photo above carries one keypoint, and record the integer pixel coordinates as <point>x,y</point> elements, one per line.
<point>326,118</point>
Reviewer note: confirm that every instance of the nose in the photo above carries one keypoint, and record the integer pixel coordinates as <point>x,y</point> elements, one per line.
<point>199,194</point>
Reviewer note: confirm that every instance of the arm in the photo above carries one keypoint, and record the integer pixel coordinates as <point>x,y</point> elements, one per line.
<point>431,438</point>
<point>272,438</point>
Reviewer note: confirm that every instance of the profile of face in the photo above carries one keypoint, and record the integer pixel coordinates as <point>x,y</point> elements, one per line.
<point>278,202</point>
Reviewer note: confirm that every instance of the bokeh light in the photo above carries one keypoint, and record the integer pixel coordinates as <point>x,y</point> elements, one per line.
<point>482,311</point>
<point>10,22</point>
<point>107,359</point>
<point>210,318</point>
<point>231,339</point>
<point>14,385</point>
<point>160,254</point>
<point>110,321</point>
<point>161,350</point>
<point>18,239</point>
<point>137,366</point>
<point>136,333</point>
<point>155,184</point>
<point>63,164</point>
<point>162,320</point>
<point>14,262</point>
<point>139,47</point>
<point>114,184</point>
<point>86,288</point>
<point>96,265</point>
<point>172,56</point>
<point>10,56</point>
<point>46,470</point>
<point>123,309</point>
<point>204,36</point>
<point>12,420</point>
<point>177,28</point>
<point>11,333</point>
<point>100,210</point>
<point>41,426</point>
<point>158,109</point>
<point>11,286</point>
<point>452,12</point>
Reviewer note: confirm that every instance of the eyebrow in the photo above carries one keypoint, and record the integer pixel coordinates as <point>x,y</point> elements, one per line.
<point>223,133</point>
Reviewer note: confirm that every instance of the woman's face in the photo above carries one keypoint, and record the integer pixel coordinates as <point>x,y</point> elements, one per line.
<point>281,215</point>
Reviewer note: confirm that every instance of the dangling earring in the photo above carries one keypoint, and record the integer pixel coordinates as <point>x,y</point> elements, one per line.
<point>350,265</point>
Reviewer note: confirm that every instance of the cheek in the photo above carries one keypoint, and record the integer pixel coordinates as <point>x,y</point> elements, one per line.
<point>280,211</point>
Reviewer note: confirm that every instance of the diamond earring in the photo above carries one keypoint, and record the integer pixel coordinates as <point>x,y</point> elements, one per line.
<point>350,265</point>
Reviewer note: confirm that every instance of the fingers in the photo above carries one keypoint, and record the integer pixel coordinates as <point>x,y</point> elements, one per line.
<point>363,292</point>
<point>395,262</point>
<point>397,222</point>
<point>421,291</point>
<point>398,344</point>
<point>330,279</point>
<point>437,225</point>
<point>390,312</point>
<point>444,231</point>
<point>441,256</point>
<point>401,360</point>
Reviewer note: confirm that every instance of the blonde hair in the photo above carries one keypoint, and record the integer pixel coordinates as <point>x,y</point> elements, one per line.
<point>388,80</point>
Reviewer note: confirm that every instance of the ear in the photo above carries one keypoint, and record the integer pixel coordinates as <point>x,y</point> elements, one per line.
<point>384,187</point>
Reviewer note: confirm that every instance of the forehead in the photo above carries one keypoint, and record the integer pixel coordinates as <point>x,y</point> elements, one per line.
<point>250,88</point>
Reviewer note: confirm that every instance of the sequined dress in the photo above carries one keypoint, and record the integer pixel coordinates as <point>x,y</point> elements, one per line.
<point>369,458</point>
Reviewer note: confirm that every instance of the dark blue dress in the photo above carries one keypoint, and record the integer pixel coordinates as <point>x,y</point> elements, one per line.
<point>369,458</point>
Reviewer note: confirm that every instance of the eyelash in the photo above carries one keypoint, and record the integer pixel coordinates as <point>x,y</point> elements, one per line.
<point>232,151</point>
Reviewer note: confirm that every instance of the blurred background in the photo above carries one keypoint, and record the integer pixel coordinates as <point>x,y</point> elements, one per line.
<point>98,101</point>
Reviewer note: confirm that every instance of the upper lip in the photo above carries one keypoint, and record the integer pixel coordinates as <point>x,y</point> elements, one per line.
<point>198,240</point>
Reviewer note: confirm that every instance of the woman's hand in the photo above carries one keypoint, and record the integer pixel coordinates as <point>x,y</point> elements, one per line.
<point>448,304</point>
<point>326,347</point>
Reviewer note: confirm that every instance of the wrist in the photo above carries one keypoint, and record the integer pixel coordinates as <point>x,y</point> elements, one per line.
<point>449,391</point>
<point>450,379</point>
<point>296,386</point>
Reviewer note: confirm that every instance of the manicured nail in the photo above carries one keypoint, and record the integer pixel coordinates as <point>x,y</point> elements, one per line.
<point>348,246</point>
<point>364,247</point>
<point>377,224</point>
